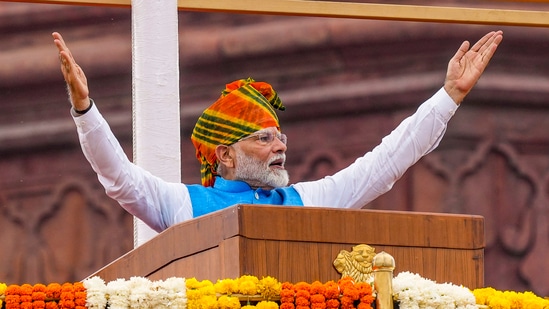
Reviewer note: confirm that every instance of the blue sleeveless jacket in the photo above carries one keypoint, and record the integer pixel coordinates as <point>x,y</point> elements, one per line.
<point>225,193</point>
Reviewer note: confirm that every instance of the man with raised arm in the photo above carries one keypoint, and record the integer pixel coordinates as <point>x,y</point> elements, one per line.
<point>242,149</point>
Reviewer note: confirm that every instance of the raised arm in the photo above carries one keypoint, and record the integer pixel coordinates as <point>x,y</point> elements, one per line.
<point>467,65</point>
<point>158,203</point>
<point>77,84</point>
<point>375,173</point>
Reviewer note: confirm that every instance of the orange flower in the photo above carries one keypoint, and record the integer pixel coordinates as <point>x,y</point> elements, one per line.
<point>287,293</point>
<point>287,305</point>
<point>26,296</point>
<point>364,289</point>
<point>26,305</point>
<point>80,295</point>
<point>351,292</point>
<point>332,290</point>
<point>66,300</point>
<point>345,282</point>
<point>12,294</point>
<point>302,301</point>
<point>52,305</point>
<point>332,303</point>
<point>318,288</point>
<point>364,306</point>
<point>318,305</point>
<point>38,304</point>
<point>53,291</point>
<point>302,295</point>
<point>318,298</point>
<point>39,294</point>
<point>302,286</point>
<point>346,302</point>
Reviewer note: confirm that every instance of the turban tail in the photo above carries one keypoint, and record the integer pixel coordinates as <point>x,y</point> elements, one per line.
<point>245,106</point>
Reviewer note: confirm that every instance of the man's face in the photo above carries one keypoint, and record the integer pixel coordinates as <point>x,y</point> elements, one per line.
<point>260,159</point>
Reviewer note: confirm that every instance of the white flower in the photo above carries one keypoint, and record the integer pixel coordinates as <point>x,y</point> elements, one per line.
<point>415,292</point>
<point>96,293</point>
<point>171,293</point>
<point>140,292</point>
<point>118,294</point>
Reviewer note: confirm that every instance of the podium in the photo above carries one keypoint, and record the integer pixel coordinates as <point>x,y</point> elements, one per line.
<point>300,244</point>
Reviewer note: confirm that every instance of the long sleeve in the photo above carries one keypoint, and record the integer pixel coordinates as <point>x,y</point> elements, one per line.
<point>156,202</point>
<point>375,173</point>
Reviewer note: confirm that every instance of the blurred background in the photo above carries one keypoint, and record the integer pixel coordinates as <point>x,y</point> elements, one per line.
<point>346,83</point>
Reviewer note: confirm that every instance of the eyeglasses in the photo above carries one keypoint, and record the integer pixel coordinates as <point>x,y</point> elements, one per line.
<point>266,137</point>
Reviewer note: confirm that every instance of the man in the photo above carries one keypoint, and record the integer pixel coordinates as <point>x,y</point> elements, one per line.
<point>241,148</point>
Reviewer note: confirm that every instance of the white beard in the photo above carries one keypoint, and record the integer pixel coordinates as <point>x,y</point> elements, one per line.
<point>258,174</point>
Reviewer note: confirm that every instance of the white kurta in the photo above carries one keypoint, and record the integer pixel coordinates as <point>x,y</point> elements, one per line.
<point>161,203</point>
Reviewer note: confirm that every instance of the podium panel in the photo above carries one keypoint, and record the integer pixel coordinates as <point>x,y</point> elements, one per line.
<point>300,244</point>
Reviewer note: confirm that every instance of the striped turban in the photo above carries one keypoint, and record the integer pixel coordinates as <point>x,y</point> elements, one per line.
<point>245,106</point>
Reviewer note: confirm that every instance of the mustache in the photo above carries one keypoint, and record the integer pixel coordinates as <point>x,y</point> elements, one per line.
<point>279,157</point>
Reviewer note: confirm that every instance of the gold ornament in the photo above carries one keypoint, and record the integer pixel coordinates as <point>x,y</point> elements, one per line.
<point>356,264</point>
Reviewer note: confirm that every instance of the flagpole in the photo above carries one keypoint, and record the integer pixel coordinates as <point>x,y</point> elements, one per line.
<point>155,95</point>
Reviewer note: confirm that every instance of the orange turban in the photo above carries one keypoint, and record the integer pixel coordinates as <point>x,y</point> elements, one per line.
<point>245,106</point>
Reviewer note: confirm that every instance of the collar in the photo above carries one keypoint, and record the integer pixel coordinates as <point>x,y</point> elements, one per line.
<point>233,186</point>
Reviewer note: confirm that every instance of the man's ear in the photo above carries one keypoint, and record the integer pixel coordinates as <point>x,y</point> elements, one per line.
<point>224,155</point>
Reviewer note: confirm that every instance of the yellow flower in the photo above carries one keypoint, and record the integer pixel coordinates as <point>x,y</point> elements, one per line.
<point>208,302</point>
<point>269,287</point>
<point>192,283</point>
<point>247,285</point>
<point>483,294</point>
<point>228,302</point>
<point>248,278</point>
<point>499,303</point>
<point>226,286</point>
<point>509,299</point>
<point>267,305</point>
<point>3,288</point>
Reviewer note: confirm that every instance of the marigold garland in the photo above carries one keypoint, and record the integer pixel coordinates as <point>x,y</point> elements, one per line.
<point>287,296</point>
<point>318,299</point>
<point>302,295</point>
<point>509,300</point>
<point>12,299</point>
<point>53,293</point>
<point>138,292</point>
<point>39,296</point>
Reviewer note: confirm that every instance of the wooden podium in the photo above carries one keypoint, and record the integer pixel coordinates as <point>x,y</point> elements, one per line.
<point>300,244</point>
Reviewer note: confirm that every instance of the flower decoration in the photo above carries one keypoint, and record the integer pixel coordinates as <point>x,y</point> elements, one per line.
<point>410,291</point>
<point>287,296</point>
<point>39,296</point>
<point>508,300</point>
<point>265,304</point>
<point>413,291</point>
<point>228,302</point>
<point>248,285</point>
<point>226,286</point>
<point>269,287</point>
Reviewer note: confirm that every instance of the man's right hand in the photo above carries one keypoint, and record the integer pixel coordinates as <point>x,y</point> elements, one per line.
<point>77,84</point>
